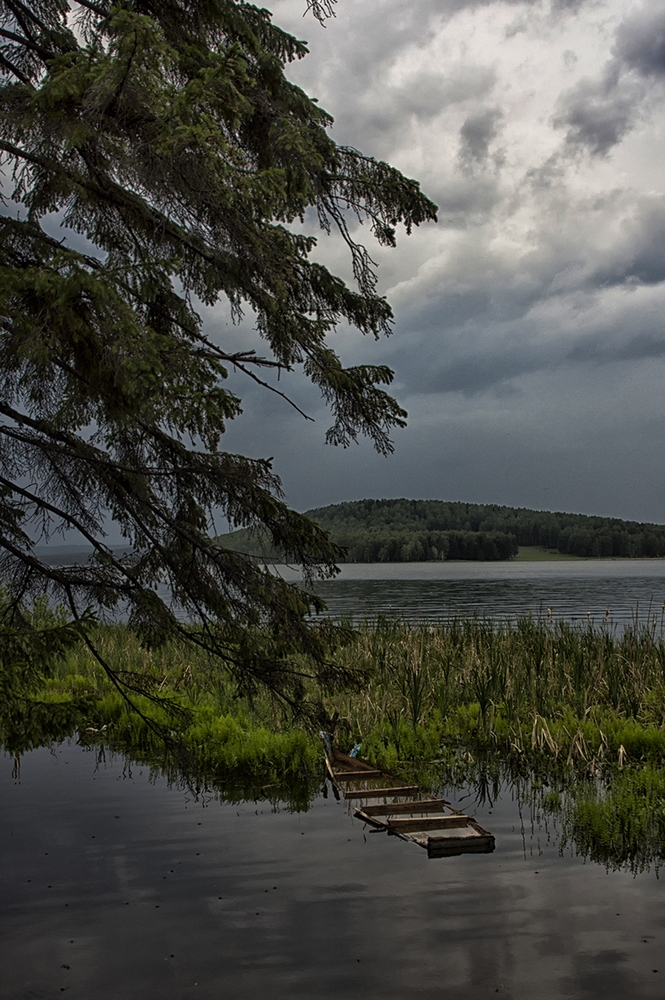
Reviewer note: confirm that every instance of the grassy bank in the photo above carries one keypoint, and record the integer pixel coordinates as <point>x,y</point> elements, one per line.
<point>577,715</point>
<point>189,713</point>
<point>535,553</point>
<point>540,690</point>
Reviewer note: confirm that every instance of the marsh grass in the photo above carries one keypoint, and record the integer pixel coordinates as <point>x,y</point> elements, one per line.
<point>580,697</point>
<point>191,713</point>
<point>554,696</point>
<point>569,720</point>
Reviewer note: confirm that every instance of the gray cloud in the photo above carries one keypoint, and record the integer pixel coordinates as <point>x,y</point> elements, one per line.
<point>639,256</point>
<point>568,6</point>
<point>427,93</point>
<point>386,109</point>
<point>597,114</point>
<point>644,345</point>
<point>640,41</point>
<point>464,200</point>
<point>478,131</point>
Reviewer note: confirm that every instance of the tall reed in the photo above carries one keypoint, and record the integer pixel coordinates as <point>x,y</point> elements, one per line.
<point>492,683</point>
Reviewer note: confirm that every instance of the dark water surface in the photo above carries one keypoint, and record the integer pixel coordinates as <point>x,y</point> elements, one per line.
<point>572,590</point>
<point>117,886</point>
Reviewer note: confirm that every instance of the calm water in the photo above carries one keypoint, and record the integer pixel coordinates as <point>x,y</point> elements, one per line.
<point>574,590</point>
<point>436,591</point>
<point>117,886</point>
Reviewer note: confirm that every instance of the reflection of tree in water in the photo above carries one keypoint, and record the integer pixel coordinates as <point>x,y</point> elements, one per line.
<point>616,820</point>
<point>180,773</point>
<point>29,724</point>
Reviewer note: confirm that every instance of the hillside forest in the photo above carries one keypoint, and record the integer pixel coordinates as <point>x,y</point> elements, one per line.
<point>430,530</point>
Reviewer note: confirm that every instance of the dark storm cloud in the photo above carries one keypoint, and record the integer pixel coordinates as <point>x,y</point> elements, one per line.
<point>563,305</point>
<point>598,113</point>
<point>529,323</point>
<point>601,349</point>
<point>640,41</point>
<point>496,367</point>
<point>478,131</point>
<point>480,372</point>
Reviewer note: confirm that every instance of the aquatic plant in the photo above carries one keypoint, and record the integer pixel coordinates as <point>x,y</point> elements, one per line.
<point>585,692</point>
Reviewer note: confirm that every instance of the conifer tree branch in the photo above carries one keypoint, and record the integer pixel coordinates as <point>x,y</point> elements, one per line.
<point>168,140</point>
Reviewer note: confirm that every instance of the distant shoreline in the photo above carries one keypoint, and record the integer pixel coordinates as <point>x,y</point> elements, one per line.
<point>64,554</point>
<point>533,553</point>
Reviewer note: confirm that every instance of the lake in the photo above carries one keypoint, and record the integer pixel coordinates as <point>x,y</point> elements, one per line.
<point>576,591</point>
<point>117,885</point>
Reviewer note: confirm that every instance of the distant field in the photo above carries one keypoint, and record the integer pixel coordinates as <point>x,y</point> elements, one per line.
<point>534,553</point>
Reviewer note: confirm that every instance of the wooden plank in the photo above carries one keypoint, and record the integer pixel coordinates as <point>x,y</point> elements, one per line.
<point>478,828</point>
<point>427,822</point>
<point>346,759</point>
<point>450,847</point>
<point>358,775</point>
<point>360,813</point>
<point>398,808</point>
<point>380,793</point>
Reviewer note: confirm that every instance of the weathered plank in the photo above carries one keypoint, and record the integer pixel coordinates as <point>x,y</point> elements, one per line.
<point>451,847</point>
<point>353,762</point>
<point>398,808</point>
<point>380,793</point>
<point>404,824</point>
<point>358,775</point>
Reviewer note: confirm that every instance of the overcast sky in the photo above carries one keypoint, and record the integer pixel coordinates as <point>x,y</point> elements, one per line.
<point>529,342</point>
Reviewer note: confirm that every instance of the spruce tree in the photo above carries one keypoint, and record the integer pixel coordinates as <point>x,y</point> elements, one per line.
<point>156,158</point>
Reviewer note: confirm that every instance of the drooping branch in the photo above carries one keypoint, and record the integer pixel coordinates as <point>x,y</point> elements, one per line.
<point>168,137</point>
<point>321,9</point>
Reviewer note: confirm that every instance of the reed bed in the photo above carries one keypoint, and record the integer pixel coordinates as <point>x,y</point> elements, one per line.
<point>538,690</point>
<point>532,687</point>
<point>571,719</point>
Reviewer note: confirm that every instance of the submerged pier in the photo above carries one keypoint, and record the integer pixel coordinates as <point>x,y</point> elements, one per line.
<point>405,810</point>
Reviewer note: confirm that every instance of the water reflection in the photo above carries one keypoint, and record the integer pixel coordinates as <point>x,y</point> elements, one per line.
<point>616,820</point>
<point>116,885</point>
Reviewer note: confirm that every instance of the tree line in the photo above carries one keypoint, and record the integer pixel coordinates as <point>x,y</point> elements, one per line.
<point>429,530</point>
<point>353,524</point>
<point>426,546</point>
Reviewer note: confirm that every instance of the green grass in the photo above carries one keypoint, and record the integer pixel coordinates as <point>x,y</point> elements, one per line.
<point>575,716</point>
<point>534,553</point>
<point>541,689</point>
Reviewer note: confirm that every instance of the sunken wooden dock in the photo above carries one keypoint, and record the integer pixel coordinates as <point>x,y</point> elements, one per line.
<point>404,810</point>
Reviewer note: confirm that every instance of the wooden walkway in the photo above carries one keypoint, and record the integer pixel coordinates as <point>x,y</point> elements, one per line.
<point>404,810</point>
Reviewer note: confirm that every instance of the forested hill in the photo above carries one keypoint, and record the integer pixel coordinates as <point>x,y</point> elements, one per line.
<point>424,530</point>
